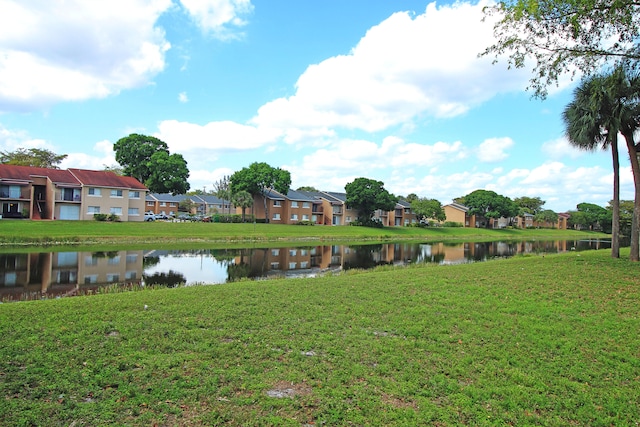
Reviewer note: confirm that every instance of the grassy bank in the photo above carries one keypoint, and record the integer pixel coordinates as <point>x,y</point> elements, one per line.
<point>524,341</point>
<point>18,233</point>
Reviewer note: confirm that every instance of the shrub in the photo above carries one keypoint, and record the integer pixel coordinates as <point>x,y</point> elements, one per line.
<point>305,222</point>
<point>100,217</point>
<point>452,224</point>
<point>113,218</point>
<point>371,222</point>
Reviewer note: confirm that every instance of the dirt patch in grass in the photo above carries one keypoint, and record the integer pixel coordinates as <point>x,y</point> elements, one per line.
<point>286,389</point>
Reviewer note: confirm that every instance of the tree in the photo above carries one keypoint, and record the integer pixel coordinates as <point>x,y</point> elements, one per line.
<point>428,209</point>
<point>564,36</point>
<point>113,168</point>
<point>626,216</point>
<point>35,157</point>
<point>590,216</point>
<point>306,188</point>
<point>592,120</point>
<point>147,159</point>
<point>531,205</point>
<point>243,199</point>
<point>366,196</point>
<point>169,174</point>
<point>187,205</point>
<point>546,216</point>
<point>222,191</point>
<point>490,205</point>
<point>258,179</point>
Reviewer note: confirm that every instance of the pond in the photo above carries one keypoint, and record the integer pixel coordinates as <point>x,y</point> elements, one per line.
<point>55,274</point>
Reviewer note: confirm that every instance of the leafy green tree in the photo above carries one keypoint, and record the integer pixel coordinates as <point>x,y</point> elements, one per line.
<point>626,216</point>
<point>564,36</point>
<point>147,159</point>
<point>35,157</point>
<point>243,199</point>
<point>531,205</point>
<point>113,168</point>
<point>546,216</point>
<point>222,190</point>
<point>490,205</point>
<point>258,179</point>
<point>169,173</point>
<point>307,188</point>
<point>592,120</point>
<point>366,196</point>
<point>428,209</point>
<point>187,205</point>
<point>590,216</point>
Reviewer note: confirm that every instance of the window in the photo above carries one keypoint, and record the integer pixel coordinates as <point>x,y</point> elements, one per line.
<point>304,264</point>
<point>305,217</point>
<point>172,205</point>
<point>116,193</point>
<point>304,252</point>
<point>132,258</point>
<point>305,205</point>
<point>276,217</point>
<point>294,204</point>
<point>293,252</point>
<point>277,203</point>
<point>112,278</point>
<point>93,210</point>
<point>116,210</point>
<point>134,211</point>
<point>90,261</point>
<point>92,278</point>
<point>150,203</point>
<point>134,194</point>
<point>163,204</point>
<point>275,265</point>
<point>292,266</point>
<point>114,260</point>
<point>348,218</point>
<point>294,217</point>
<point>275,252</point>
<point>93,191</point>
<point>130,275</point>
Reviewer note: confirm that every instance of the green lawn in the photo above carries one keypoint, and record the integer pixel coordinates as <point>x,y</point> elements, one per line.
<point>531,340</point>
<point>143,233</point>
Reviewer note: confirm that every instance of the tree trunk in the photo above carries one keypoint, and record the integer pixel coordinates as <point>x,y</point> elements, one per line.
<point>615,221</point>
<point>635,167</point>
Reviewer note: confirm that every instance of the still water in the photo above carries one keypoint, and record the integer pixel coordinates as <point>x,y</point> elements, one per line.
<point>52,274</point>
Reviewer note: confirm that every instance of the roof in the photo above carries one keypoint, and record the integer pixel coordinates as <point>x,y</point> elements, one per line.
<point>458,206</point>
<point>106,179</point>
<point>27,173</point>
<point>337,197</point>
<point>211,199</point>
<point>404,203</point>
<point>166,197</point>
<point>300,196</point>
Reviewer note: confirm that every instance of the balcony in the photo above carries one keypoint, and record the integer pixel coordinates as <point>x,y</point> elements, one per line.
<point>24,194</point>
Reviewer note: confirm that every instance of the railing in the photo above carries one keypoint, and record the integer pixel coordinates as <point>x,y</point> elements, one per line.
<point>24,194</point>
<point>67,198</point>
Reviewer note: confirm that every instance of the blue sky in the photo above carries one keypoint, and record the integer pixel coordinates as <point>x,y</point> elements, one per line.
<point>329,90</point>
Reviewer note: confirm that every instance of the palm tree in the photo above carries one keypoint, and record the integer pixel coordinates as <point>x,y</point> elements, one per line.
<point>244,199</point>
<point>592,120</point>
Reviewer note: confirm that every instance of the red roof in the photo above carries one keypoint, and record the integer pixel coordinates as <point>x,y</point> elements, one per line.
<point>106,179</point>
<point>70,176</point>
<point>26,173</point>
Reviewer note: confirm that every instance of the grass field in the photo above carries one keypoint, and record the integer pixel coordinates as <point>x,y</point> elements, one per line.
<point>545,341</point>
<point>18,233</point>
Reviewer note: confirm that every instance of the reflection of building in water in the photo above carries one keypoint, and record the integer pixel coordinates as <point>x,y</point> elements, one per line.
<point>59,273</point>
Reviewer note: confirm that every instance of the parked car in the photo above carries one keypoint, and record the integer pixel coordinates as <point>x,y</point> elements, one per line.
<point>149,216</point>
<point>161,216</point>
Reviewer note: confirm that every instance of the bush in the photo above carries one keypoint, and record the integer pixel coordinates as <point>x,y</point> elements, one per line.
<point>100,217</point>
<point>452,224</point>
<point>371,222</point>
<point>113,218</point>
<point>305,222</point>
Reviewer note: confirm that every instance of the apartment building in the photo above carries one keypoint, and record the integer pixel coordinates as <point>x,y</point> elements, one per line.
<point>71,194</point>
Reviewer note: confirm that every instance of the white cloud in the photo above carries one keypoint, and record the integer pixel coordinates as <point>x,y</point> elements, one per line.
<point>103,156</point>
<point>11,140</point>
<point>493,149</point>
<point>218,17</point>
<point>76,50</point>
<point>182,97</point>
<point>399,71</point>
<point>559,148</point>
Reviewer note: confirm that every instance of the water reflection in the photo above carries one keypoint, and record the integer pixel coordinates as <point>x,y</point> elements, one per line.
<point>28,276</point>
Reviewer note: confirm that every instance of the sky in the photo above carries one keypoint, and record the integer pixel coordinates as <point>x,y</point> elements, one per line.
<point>330,90</point>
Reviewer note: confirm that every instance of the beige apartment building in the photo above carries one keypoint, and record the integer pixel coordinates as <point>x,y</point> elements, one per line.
<point>71,194</point>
